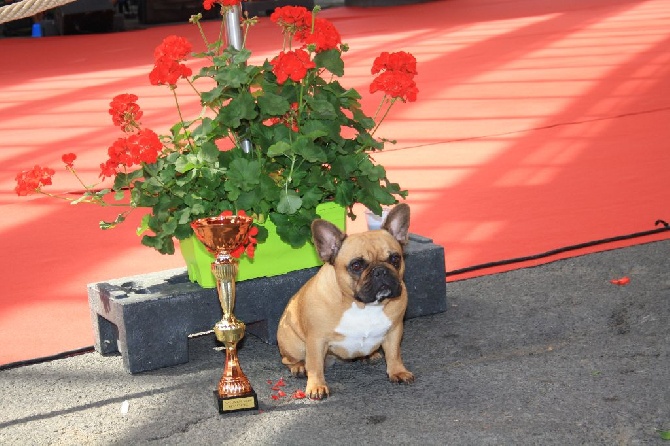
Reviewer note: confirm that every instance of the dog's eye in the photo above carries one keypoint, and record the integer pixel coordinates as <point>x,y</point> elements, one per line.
<point>395,260</point>
<point>357,266</point>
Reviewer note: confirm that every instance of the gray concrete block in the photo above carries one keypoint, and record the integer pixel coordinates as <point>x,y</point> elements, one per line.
<point>148,318</point>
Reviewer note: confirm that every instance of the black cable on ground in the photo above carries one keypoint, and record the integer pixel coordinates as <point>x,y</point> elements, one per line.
<point>666,227</point>
<point>67,354</point>
<point>553,252</point>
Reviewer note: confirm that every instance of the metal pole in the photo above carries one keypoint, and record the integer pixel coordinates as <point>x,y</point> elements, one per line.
<point>233,27</point>
<point>234,31</point>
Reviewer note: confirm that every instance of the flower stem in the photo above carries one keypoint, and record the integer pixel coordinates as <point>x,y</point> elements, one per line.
<point>202,34</point>
<point>181,118</point>
<point>392,101</point>
<point>74,172</point>
<point>379,107</point>
<point>290,174</point>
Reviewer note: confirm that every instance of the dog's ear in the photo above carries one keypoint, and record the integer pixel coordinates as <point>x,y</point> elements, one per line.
<point>397,223</point>
<point>327,239</point>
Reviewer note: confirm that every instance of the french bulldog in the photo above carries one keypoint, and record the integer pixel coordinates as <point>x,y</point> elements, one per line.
<point>354,305</point>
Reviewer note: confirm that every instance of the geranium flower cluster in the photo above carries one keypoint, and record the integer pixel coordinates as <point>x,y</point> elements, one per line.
<point>140,146</point>
<point>292,64</point>
<point>397,75</point>
<point>168,56</point>
<point>297,22</point>
<point>31,181</point>
<point>125,111</point>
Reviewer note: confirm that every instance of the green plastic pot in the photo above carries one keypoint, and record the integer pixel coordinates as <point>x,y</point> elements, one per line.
<point>273,257</point>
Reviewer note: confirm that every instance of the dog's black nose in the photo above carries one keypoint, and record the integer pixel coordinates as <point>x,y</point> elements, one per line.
<point>379,271</point>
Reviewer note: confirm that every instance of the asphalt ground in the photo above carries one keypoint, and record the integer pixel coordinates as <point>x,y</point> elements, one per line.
<point>555,354</point>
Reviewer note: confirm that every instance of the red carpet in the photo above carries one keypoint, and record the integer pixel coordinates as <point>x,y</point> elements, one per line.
<point>539,124</point>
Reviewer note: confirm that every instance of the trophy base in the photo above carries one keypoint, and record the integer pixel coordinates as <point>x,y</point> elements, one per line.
<point>248,401</point>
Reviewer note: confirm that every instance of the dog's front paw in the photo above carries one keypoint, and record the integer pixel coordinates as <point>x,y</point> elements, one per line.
<point>298,369</point>
<point>403,376</point>
<point>317,391</point>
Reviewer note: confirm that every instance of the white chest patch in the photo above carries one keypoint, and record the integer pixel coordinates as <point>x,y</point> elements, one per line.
<point>363,329</point>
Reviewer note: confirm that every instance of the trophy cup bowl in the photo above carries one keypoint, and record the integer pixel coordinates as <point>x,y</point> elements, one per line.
<point>221,235</point>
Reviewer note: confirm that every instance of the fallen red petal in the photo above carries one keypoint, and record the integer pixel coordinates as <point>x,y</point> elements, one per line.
<point>281,393</point>
<point>298,394</point>
<point>621,282</point>
<point>275,397</point>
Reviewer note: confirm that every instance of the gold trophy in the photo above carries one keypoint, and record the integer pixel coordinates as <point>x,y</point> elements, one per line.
<point>221,235</point>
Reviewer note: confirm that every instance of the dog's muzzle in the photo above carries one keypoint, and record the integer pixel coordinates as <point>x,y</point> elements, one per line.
<point>381,283</point>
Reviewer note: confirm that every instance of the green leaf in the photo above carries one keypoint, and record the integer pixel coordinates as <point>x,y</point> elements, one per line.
<point>315,128</point>
<point>233,78</point>
<point>343,166</point>
<point>311,152</point>
<point>350,94</point>
<point>363,120</point>
<point>272,104</point>
<point>124,180</point>
<point>240,56</point>
<point>279,148</point>
<point>311,197</point>
<point>247,199</point>
<point>109,225</point>
<point>212,96</point>
<point>323,109</point>
<point>331,60</point>
<point>289,203</point>
<point>665,435</point>
<point>244,173</point>
<point>209,152</point>
<point>345,192</point>
<point>144,225</point>
<point>184,164</point>
<point>294,229</point>
<point>241,107</point>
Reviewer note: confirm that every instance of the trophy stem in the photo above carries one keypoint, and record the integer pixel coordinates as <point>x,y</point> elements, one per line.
<point>225,270</point>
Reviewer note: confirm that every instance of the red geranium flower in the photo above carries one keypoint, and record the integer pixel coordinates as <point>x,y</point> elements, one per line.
<point>145,146</point>
<point>29,181</point>
<point>125,112</point>
<point>325,36</point>
<point>167,69</point>
<point>293,64</point>
<point>167,72</point>
<point>208,4</point>
<point>173,47</point>
<point>142,147</point>
<point>108,169</point>
<point>399,61</point>
<point>68,159</point>
<point>292,18</point>
<point>395,84</point>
